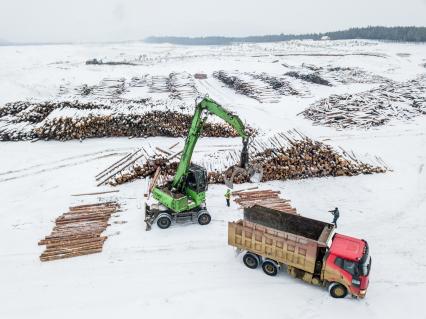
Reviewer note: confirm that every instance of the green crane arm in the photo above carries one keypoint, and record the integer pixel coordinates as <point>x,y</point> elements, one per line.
<point>195,130</point>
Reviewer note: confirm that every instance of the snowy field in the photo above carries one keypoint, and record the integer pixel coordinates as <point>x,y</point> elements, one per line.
<point>189,271</point>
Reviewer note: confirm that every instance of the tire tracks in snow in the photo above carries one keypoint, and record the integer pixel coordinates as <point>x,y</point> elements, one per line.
<point>58,164</point>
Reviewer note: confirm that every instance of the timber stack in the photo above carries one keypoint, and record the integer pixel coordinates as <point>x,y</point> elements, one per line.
<point>249,85</point>
<point>279,84</point>
<point>282,157</point>
<point>67,120</point>
<point>264,198</point>
<point>78,232</point>
<point>308,77</point>
<point>376,107</point>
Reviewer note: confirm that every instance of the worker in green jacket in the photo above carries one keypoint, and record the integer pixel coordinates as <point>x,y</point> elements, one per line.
<point>228,197</point>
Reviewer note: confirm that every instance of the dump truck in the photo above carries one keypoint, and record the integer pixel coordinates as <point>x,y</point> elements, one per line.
<point>308,249</point>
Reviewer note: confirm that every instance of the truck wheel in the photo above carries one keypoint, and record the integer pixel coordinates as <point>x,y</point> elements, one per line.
<point>337,290</point>
<point>204,218</point>
<point>164,221</point>
<point>270,268</point>
<point>251,260</point>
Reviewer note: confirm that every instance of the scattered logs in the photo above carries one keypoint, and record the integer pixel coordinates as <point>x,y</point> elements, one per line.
<point>375,107</point>
<point>78,232</point>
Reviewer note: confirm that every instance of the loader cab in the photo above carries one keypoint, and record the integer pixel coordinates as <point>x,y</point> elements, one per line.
<point>196,179</point>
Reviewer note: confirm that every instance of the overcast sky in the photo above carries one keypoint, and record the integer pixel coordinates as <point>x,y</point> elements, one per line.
<point>111,20</point>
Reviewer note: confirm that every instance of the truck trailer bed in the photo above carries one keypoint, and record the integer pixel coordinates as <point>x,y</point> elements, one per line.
<point>293,240</point>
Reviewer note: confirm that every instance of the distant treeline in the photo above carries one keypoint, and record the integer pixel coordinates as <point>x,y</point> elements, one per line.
<point>410,34</point>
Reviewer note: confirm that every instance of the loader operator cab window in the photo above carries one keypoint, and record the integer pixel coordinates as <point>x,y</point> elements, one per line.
<point>197,179</point>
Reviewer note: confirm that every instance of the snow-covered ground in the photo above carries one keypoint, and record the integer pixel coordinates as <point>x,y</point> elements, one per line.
<point>188,270</point>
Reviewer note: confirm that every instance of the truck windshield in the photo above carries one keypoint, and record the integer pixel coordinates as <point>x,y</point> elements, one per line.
<point>365,262</point>
<point>365,266</point>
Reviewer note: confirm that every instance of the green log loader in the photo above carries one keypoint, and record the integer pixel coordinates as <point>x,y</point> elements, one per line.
<point>184,198</point>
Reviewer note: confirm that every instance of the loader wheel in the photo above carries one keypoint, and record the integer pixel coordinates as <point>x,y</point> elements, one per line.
<point>337,290</point>
<point>204,218</point>
<point>270,268</point>
<point>164,221</point>
<point>251,261</point>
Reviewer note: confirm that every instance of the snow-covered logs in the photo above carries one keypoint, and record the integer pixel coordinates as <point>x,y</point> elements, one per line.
<point>375,107</point>
<point>78,120</point>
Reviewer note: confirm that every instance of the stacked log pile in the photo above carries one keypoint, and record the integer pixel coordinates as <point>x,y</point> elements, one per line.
<point>265,198</point>
<point>178,85</point>
<point>101,62</point>
<point>282,157</point>
<point>139,164</point>
<point>341,75</point>
<point>139,81</point>
<point>279,84</point>
<point>375,107</point>
<point>347,75</point>
<point>110,88</point>
<point>78,232</point>
<point>182,86</point>
<point>308,77</point>
<point>159,84</point>
<point>78,120</point>
<point>155,123</point>
<point>245,84</point>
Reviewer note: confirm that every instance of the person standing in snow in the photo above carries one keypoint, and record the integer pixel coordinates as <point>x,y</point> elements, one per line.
<point>228,197</point>
<point>336,215</point>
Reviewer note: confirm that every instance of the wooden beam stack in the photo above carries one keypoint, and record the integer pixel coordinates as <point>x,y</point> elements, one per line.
<point>78,232</point>
<point>265,198</point>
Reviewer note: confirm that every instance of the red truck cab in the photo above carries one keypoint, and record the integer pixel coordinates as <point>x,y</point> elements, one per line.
<point>347,266</point>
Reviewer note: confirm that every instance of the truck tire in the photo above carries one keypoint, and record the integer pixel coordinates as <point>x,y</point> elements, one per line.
<point>164,221</point>
<point>251,260</point>
<point>337,290</point>
<point>270,268</point>
<point>204,217</point>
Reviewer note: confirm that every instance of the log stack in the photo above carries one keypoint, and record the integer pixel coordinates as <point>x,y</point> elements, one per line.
<point>182,86</point>
<point>286,157</point>
<point>67,120</point>
<point>279,84</point>
<point>78,232</point>
<point>247,85</point>
<point>263,87</point>
<point>156,123</point>
<point>308,77</point>
<point>265,198</point>
<point>376,107</point>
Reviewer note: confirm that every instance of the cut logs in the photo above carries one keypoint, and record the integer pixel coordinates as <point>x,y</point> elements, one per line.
<point>282,157</point>
<point>78,120</point>
<point>402,101</point>
<point>265,198</point>
<point>78,232</point>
